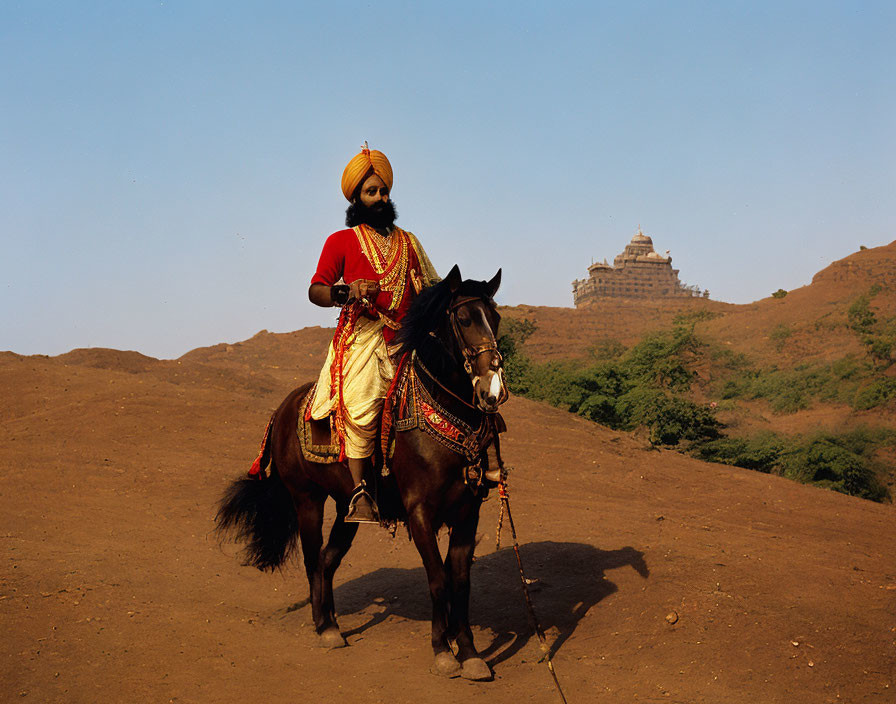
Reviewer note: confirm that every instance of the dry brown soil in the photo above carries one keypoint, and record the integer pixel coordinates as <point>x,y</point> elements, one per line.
<point>658,578</point>
<point>115,590</point>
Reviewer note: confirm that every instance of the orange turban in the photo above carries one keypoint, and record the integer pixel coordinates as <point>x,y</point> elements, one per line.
<point>361,165</point>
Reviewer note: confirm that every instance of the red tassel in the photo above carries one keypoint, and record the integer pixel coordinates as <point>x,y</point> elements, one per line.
<point>388,405</point>
<point>255,471</point>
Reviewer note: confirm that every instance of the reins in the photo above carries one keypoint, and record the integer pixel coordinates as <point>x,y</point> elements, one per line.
<point>505,510</point>
<point>422,367</point>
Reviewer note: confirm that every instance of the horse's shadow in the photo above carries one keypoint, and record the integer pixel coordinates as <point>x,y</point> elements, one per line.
<point>567,579</point>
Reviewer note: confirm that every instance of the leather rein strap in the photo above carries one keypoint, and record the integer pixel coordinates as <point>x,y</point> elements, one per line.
<point>471,352</point>
<point>419,364</point>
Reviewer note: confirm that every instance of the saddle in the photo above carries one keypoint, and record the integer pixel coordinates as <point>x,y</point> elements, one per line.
<point>409,405</point>
<point>317,438</point>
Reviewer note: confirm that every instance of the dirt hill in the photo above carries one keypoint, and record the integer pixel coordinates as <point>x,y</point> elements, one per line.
<point>658,578</point>
<point>815,314</point>
<point>568,333</point>
<point>808,326</point>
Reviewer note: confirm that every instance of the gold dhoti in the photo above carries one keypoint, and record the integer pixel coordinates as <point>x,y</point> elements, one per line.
<point>366,372</point>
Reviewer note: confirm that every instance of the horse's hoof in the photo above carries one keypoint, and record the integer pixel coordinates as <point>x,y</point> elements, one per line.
<point>445,665</point>
<point>476,669</point>
<point>332,638</point>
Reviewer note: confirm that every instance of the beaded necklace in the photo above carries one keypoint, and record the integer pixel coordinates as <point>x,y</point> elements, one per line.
<point>389,257</point>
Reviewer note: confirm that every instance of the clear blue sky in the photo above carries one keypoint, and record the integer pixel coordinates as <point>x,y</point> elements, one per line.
<point>169,170</point>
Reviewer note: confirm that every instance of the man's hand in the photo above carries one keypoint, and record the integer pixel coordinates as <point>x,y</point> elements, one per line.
<point>363,290</point>
<point>340,295</point>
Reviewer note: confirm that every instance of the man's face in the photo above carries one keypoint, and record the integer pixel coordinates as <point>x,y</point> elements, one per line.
<point>374,194</point>
<point>372,206</point>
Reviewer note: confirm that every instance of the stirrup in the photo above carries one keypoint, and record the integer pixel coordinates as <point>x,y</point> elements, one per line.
<point>361,507</point>
<point>495,474</point>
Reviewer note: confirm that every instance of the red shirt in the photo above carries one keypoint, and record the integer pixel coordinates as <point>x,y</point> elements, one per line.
<point>342,258</point>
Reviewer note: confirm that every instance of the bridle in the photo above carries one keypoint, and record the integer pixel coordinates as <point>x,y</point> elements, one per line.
<point>471,352</point>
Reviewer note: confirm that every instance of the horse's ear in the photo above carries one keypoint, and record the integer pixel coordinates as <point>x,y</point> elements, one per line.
<point>454,279</point>
<point>493,284</point>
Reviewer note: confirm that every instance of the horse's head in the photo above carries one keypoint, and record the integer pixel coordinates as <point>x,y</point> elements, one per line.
<point>473,320</point>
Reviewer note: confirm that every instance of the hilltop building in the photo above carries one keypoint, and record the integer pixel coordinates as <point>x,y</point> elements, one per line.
<point>639,272</point>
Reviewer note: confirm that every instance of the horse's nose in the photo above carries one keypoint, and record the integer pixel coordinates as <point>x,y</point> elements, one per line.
<point>494,388</point>
<point>490,394</point>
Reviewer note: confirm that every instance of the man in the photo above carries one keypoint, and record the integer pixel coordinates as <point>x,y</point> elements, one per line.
<point>383,269</point>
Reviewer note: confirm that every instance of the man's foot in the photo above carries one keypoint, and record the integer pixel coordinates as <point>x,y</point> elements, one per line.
<point>361,507</point>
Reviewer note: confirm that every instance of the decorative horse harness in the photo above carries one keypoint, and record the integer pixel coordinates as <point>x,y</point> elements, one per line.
<point>410,404</point>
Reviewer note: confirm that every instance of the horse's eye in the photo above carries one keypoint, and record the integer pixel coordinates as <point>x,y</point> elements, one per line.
<point>466,322</point>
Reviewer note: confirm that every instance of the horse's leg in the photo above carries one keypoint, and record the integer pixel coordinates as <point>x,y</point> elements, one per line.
<point>460,556</point>
<point>425,539</point>
<point>341,536</point>
<point>310,512</point>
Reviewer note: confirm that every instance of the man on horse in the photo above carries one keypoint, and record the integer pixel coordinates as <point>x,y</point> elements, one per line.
<point>373,270</point>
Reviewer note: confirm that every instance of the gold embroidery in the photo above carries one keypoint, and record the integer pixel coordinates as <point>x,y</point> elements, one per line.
<point>389,257</point>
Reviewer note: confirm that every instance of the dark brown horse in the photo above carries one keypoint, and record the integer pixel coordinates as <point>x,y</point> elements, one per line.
<point>449,337</point>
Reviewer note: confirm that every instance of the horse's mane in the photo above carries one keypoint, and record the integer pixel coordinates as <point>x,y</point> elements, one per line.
<point>425,312</point>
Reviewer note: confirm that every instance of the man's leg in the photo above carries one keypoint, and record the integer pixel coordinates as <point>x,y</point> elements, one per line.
<point>361,507</point>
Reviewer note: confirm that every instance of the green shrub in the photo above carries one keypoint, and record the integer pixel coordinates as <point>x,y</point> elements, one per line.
<point>877,393</point>
<point>689,319</point>
<point>638,388</point>
<point>727,359</point>
<point>791,390</point>
<point>841,462</point>
<point>846,368</point>
<point>602,409</point>
<point>670,419</point>
<point>513,334</point>
<point>880,347</point>
<point>661,359</point>
<point>733,388</point>
<point>878,336</point>
<point>607,349</point>
<point>779,335</point>
<point>790,400</point>
<point>760,452</point>
<point>860,318</point>
<point>780,293</point>
<point>517,367</point>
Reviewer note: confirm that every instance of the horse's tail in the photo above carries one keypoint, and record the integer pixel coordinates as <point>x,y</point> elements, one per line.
<point>259,511</point>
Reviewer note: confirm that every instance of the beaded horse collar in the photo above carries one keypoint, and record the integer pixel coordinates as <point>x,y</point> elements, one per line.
<point>416,407</point>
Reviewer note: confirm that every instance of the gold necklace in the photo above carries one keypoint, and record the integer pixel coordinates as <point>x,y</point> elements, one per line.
<point>392,266</point>
<point>383,242</point>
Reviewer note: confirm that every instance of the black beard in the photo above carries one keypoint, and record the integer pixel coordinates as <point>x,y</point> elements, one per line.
<point>381,216</point>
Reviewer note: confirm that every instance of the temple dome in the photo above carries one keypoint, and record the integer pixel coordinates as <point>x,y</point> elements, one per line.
<point>641,238</point>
